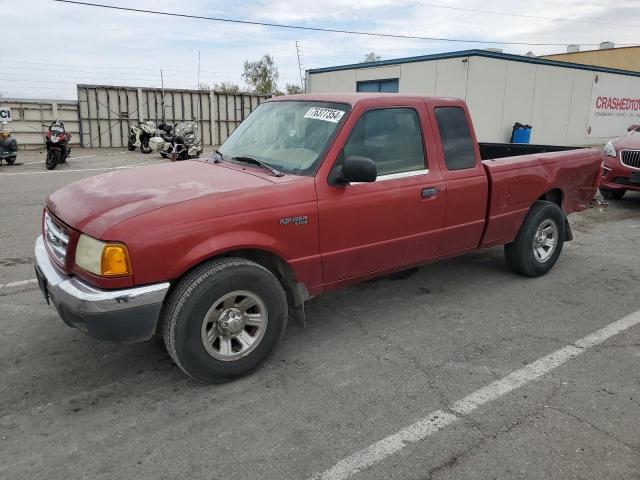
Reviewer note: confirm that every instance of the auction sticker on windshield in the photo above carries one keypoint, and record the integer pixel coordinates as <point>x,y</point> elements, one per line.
<point>326,114</point>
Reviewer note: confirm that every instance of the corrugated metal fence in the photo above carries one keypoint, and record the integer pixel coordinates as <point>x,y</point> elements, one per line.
<point>103,113</point>
<point>106,112</point>
<point>29,116</point>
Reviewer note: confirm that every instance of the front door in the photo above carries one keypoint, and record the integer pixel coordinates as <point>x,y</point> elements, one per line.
<point>396,220</point>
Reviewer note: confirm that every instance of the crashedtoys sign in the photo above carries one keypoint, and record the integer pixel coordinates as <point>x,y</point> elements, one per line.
<point>615,104</point>
<point>5,114</point>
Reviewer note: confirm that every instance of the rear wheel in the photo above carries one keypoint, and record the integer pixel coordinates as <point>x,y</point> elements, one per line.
<point>53,158</point>
<point>10,160</point>
<point>183,154</point>
<point>145,147</point>
<point>223,319</point>
<point>539,241</point>
<point>130,146</point>
<point>612,194</point>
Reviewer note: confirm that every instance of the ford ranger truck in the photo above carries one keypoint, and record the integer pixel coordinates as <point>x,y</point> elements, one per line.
<point>310,193</point>
<point>621,170</point>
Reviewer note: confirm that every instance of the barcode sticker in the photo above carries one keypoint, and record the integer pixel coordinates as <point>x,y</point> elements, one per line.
<point>326,114</point>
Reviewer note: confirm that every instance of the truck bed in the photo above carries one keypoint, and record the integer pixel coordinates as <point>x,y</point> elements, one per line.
<point>569,176</point>
<point>492,151</point>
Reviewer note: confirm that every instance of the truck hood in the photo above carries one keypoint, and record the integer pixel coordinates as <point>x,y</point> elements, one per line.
<point>95,204</point>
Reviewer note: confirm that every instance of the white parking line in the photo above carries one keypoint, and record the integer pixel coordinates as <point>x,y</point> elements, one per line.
<point>19,284</point>
<point>47,172</point>
<point>70,158</point>
<point>439,419</point>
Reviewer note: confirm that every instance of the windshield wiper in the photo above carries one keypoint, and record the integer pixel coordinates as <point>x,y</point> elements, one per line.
<point>255,161</point>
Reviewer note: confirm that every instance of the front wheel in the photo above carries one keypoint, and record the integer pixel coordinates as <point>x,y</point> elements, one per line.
<point>145,147</point>
<point>53,158</point>
<point>130,146</point>
<point>224,319</point>
<point>10,160</point>
<point>612,194</point>
<point>539,241</point>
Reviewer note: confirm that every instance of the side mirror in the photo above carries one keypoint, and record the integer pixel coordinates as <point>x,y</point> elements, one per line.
<point>358,169</point>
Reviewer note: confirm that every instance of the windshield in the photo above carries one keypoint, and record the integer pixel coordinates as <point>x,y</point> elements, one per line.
<point>290,136</point>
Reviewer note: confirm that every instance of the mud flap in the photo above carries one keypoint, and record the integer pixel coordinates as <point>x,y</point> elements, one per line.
<point>296,305</point>
<point>568,235</point>
<point>296,315</point>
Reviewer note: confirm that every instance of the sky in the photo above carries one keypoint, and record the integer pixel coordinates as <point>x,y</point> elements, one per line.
<point>49,47</point>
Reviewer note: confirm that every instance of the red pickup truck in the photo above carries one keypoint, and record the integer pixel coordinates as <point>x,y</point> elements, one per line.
<point>309,194</point>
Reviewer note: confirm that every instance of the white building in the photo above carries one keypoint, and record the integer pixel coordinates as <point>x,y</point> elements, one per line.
<point>565,103</point>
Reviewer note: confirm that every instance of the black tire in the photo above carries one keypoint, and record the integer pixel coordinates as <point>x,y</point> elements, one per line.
<point>65,156</point>
<point>53,158</point>
<point>130,146</point>
<point>164,155</point>
<point>186,308</point>
<point>520,254</point>
<point>612,194</point>
<point>183,154</point>
<point>10,160</point>
<point>145,148</point>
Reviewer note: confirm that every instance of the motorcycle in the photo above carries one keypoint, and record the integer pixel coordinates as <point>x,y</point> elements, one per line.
<point>163,136</point>
<point>179,141</point>
<point>57,141</point>
<point>139,136</point>
<point>8,145</point>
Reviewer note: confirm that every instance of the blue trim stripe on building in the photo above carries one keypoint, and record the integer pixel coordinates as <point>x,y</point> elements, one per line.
<point>477,53</point>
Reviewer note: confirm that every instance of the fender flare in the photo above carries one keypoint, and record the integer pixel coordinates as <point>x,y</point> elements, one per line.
<point>257,247</point>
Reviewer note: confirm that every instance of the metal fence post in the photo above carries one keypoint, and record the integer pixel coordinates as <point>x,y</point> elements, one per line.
<point>213,116</point>
<point>140,114</point>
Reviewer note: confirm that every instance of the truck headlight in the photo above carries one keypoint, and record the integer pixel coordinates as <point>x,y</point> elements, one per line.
<point>101,258</point>
<point>609,150</point>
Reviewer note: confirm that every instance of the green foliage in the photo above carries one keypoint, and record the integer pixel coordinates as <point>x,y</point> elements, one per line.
<point>226,87</point>
<point>261,75</point>
<point>293,89</point>
<point>371,57</point>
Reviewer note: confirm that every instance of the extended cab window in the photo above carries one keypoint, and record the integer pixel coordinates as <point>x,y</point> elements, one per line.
<point>391,137</point>
<point>456,138</point>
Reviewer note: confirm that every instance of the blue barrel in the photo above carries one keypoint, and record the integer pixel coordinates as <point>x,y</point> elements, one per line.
<point>521,133</point>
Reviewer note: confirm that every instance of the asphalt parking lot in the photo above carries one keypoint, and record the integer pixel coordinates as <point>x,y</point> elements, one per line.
<point>336,398</point>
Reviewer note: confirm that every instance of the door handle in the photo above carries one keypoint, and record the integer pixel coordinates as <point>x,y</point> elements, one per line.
<point>429,192</point>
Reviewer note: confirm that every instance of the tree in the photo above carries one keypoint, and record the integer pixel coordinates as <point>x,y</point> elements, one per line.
<point>261,75</point>
<point>226,87</point>
<point>371,57</point>
<point>293,89</point>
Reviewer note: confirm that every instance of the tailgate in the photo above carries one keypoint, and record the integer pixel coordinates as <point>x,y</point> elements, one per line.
<point>515,183</point>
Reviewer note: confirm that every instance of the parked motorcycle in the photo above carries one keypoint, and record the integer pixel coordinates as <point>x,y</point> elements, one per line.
<point>179,141</point>
<point>57,142</point>
<point>139,136</point>
<point>164,135</point>
<point>8,145</point>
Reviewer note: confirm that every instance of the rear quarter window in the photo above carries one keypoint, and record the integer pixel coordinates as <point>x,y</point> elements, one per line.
<point>456,138</point>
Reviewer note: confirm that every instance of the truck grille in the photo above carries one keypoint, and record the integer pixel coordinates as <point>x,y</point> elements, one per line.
<point>630,158</point>
<point>56,238</point>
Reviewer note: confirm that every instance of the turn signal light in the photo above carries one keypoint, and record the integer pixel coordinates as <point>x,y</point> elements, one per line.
<point>115,261</point>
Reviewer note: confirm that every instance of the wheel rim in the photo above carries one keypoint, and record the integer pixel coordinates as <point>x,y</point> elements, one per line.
<point>234,325</point>
<point>545,240</point>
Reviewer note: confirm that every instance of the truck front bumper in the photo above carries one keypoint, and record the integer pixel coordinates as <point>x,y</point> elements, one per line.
<point>124,316</point>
